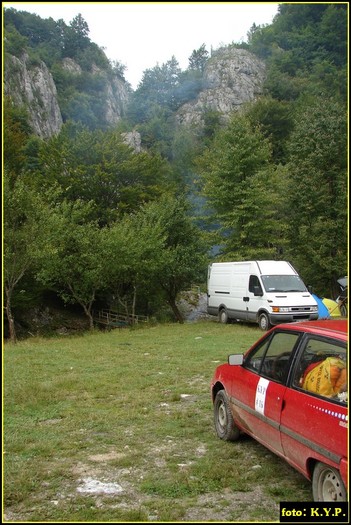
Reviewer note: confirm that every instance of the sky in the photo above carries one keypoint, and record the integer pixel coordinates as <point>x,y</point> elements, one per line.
<point>141,35</point>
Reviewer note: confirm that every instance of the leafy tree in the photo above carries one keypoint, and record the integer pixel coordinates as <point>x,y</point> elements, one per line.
<point>300,39</point>
<point>158,131</point>
<point>98,166</point>
<point>190,85</point>
<point>91,55</point>
<point>132,250</point>
<point>242,189</point>
<point>14,43</point>
<point>212,122</point>
<point>274,119</point>
<point>80,109</point>
<point>157,88</point>
<point>16,136</point>
<point>183,257</point>
<point>43,37</point>
<point>70,257</point>
<point>317,193</point>
<point>186,146</point>
<point>76,36</point>
<point>80,27</point>
<point>33,27</point>
<point>118,68</point>
<point>21,228</point>
<point>261,40</point>
<point>198,58</point>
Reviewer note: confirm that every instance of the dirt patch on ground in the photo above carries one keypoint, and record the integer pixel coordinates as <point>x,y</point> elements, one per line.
<point>101,479</point>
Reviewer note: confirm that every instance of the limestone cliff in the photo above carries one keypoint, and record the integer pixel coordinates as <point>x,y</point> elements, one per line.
<point>231,77</point>
<point>32,86</point>
<point>114,91</point>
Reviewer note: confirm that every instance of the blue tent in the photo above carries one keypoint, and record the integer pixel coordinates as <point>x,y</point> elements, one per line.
<point>323,312</point>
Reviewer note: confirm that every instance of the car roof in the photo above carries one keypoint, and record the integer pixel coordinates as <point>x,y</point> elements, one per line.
<point>336,328</point>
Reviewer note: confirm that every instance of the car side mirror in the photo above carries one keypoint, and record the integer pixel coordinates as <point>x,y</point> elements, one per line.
<point>235,359</point>
<point>258,291</point>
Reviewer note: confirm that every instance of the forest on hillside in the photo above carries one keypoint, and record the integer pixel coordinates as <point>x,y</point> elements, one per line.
<point>92,222</point>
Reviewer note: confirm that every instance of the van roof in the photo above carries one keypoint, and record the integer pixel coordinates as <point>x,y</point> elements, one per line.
<point>266,267</point>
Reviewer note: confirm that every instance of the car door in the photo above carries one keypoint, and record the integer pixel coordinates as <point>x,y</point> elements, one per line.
<point>258,388</point>
<point>314,418</point>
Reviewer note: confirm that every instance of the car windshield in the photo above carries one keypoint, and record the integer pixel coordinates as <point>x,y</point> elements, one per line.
<point>283,283</point>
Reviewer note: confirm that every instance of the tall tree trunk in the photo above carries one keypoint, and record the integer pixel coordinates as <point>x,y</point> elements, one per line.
<point>10,319</point>
<point>85,305</point>
<point>134,303</point>
<point>88,313</point>
<point>175,310</point>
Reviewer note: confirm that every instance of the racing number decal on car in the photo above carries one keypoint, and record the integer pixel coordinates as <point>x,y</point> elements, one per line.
<point>261,391</point>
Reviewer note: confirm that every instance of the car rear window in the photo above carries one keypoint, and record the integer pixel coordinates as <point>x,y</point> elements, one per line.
<point>322,369</point>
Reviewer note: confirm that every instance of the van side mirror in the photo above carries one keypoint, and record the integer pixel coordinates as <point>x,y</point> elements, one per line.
<point>309,288</point>
<point>258,291</point>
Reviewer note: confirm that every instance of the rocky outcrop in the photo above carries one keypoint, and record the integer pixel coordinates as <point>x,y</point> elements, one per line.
<point>68,64</point>
<point>133,139</point>
<point>115,93</point>
<point>32,86</point>
<point>231,78</point>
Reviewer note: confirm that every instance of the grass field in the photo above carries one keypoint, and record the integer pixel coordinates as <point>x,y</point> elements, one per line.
<point>118,426</point>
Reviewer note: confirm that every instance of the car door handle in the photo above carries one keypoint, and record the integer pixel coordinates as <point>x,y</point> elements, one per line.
<point>246,299</point>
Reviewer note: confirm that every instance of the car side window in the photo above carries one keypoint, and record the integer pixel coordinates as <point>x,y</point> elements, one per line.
<point>322,369</point>
<point>272,358</point>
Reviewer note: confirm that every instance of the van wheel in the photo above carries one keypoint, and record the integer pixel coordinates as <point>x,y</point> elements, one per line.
<point>327,484</point>
<point>223,419</point>
<point>223,316</point>
<point>263,322</point>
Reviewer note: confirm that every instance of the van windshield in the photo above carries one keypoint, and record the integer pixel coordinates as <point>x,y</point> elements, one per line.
<point>283,283</point>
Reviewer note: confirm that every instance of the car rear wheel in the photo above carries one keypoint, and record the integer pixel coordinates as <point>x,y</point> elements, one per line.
<point>224,423</point>
<point>327,484</point>
<point>263,322</point>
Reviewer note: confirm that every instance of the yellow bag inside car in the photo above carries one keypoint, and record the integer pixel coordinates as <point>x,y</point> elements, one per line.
<point>326,378</point>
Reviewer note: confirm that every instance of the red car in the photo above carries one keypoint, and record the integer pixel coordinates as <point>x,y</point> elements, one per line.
<point>289,392</point>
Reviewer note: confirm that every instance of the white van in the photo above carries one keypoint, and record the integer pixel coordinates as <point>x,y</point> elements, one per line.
<point>263,292</point>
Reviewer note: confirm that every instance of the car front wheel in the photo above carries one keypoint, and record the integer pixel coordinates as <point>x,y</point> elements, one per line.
<point>327,484</point>
<point>224,423</point>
